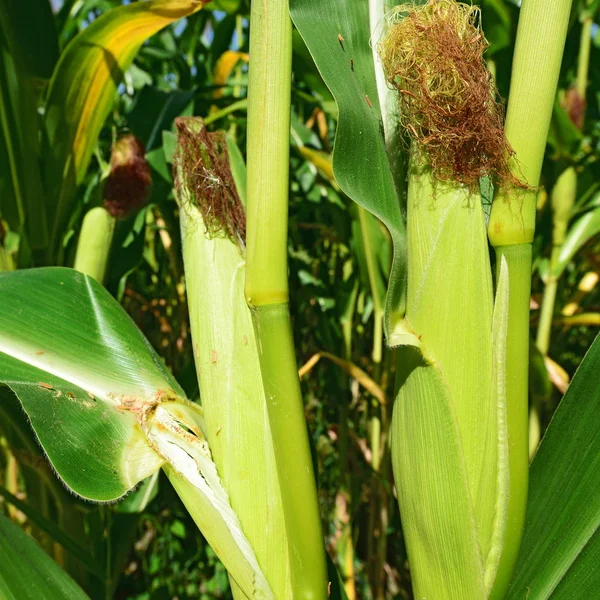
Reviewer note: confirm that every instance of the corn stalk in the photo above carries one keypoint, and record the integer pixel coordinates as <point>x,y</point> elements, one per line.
<point>267,290</point>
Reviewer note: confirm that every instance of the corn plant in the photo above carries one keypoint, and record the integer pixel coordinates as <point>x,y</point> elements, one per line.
<point>459,433</point>
<point>109,414</point>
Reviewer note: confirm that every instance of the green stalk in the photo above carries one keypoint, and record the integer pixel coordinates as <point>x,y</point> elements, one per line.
<point>536,65</point>
<point>292,452</point>
<point>346,542</point>
<point>95,239</point>
<point>267,290</point>
<point>563,198</point>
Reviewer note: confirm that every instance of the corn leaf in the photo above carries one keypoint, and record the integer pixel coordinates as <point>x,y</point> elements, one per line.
<point>21,201</point>
<point>36,518</point>
<point>106,410</point>
<point>561,544</point>
<point>19,581</point>
<point>582,231</point>
<point>96,59</point>
<point>69,352</point>
<point>337,36</point>
<point>33,41</point>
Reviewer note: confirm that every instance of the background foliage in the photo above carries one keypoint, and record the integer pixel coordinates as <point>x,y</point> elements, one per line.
<point>339,262</point>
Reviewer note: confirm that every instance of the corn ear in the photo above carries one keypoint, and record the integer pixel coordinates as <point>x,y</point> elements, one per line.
<point>231,386</point>
<point>448,431</point>
<point>94,243</point>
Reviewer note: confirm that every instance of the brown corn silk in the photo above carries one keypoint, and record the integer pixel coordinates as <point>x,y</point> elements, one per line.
<point>128,184</point>
<point>433,56</point>
<point>575,107</point>
<point>204,163</point>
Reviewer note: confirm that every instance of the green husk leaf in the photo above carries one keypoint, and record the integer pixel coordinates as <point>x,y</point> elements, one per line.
<point>499,383</point>
<point>449,310</point>
<point>226,358</point>
<point>431,480</point>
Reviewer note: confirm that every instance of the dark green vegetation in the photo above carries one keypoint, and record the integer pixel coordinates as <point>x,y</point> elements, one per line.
<point>340,259</point>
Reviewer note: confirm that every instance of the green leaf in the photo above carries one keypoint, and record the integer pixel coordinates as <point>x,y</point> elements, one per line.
<point>304,68</point>
<point>497,24</point>
<point>224,5</point>
<point>20,177</point>
<point>563,136</point>
<point>35,517</point>
<point>70,353</point>
<point>336,591</point>
<point>156,110</point>
<point>127,248</point>
<point>360,161</point>
<point>33,41</point>
<point>27,572</point>
<point>29,51</point>
<point>238,167</point>
<point>96,59</point>
<point>582,231</point>
<point>561,544</point>
<point>105,408</point>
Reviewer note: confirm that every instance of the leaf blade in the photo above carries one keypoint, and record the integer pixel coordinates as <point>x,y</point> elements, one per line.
<point>97,59</point>
<point>72,372</point>
<point>563,514</point>
<point>18,581</point>
<point>338,39</point>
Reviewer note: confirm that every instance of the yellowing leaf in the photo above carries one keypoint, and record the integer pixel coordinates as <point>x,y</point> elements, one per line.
<point>225,65</point>
<point>83,88</point>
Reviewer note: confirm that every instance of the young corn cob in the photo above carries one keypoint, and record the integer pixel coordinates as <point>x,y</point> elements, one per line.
<point>125,190</point>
